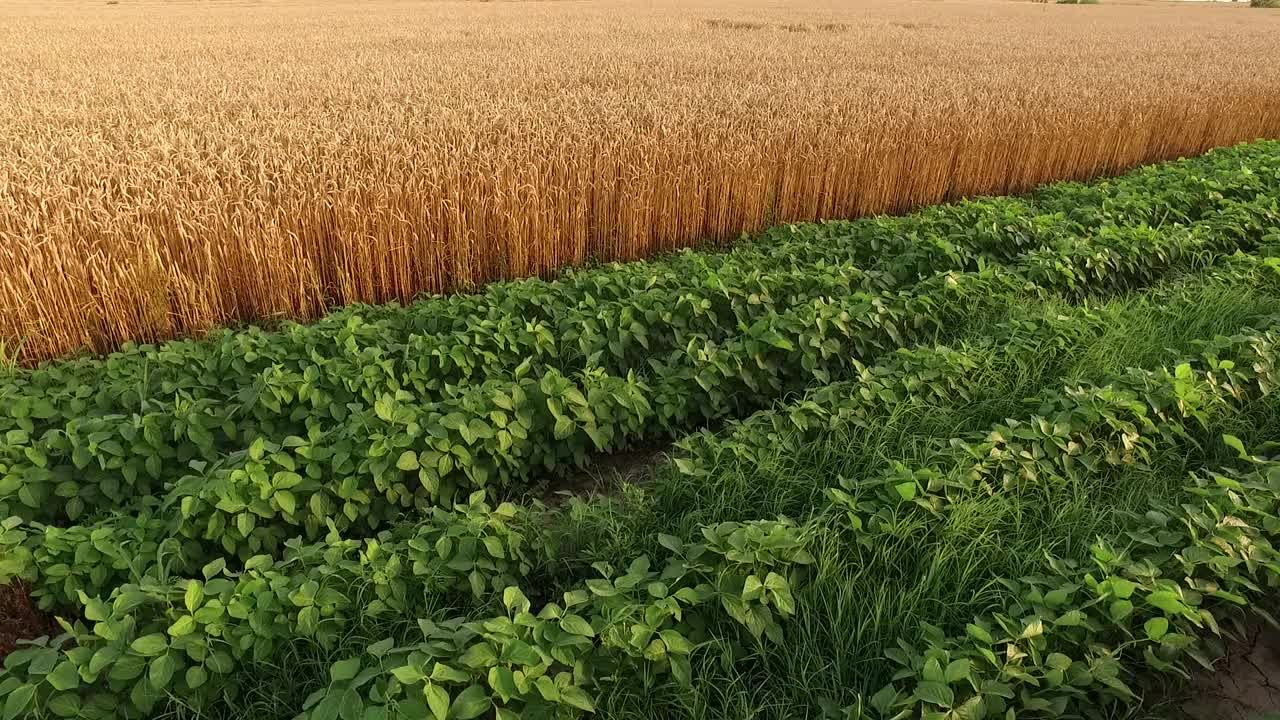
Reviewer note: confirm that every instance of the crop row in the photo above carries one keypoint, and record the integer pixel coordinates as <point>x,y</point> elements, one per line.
<point>186,634</point>
<point>150,447</point>
<point>934,376</point>
<point>188,638</point>
<point>68,564</point>
<point>614,317</point>
<point>1084,429</point>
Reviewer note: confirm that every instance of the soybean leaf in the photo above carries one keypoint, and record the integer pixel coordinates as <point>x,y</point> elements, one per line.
<point>344,669</point>
<point>470,703</point>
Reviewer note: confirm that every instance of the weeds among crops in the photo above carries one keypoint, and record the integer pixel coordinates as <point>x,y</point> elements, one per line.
<point>225,164</point>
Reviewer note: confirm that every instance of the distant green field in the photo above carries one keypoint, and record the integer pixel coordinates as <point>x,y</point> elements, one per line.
<point>1008,457</point>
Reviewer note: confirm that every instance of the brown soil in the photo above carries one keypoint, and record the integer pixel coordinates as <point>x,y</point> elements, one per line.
<point>20,619</point>
<point>1246,685</point>
<point>604,474</point>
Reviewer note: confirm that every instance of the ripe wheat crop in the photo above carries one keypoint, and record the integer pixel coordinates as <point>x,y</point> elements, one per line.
<point>166,168</point>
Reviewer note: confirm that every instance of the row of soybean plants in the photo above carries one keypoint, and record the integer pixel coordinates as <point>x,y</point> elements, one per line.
<point>944,376</point>
<point>188,636</point>
<point>188,639</point>
<point>83,434</point>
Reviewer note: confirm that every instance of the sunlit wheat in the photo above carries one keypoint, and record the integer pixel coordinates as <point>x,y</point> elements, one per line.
<point>170,167</point>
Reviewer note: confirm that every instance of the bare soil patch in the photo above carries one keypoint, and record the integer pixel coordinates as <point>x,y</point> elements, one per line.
<point>604,474</point>
<point>20,619</point>
<point>1246,685</point>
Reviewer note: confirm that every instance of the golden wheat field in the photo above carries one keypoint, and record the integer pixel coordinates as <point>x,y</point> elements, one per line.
<point>167,167</point>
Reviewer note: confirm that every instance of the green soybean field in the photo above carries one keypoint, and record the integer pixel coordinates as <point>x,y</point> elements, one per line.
<point>1010,457</point>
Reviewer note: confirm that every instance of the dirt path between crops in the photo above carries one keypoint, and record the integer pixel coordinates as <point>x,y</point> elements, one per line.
<point>604,474</point>
<point>1246,685</point>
